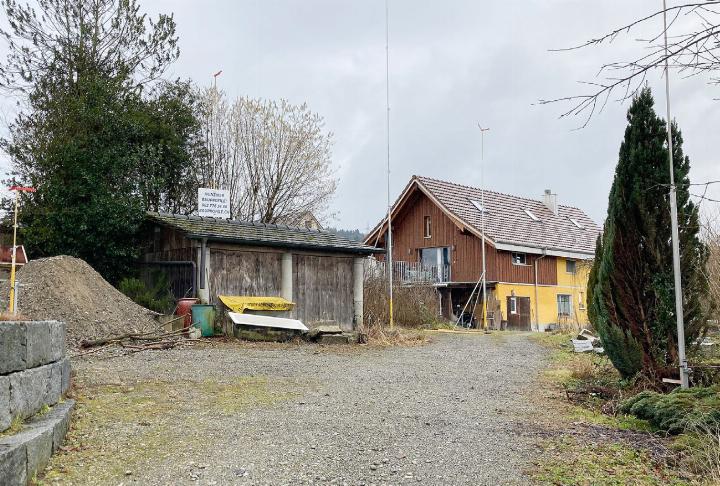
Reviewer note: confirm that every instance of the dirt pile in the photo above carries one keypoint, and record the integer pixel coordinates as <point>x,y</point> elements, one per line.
<point>67,289</point>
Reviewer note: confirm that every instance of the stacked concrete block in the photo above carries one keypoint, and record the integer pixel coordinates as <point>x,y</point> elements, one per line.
<point>25,454</point>
<point>34,374</point>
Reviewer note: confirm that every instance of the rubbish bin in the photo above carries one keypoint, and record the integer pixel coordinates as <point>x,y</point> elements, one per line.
<point>203,317</point>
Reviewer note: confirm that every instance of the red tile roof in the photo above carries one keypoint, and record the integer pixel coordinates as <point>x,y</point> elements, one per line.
<point>506,221</point>
<point>507,225</point>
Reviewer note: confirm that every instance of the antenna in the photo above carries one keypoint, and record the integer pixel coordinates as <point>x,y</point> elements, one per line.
<point>215,78</point>
<point>389,214</point>
<point>482,223</point>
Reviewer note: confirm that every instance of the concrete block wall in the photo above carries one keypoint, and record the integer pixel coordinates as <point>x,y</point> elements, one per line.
<point>34,373</point>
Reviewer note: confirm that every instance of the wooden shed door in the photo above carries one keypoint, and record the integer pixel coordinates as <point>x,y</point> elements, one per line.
<point>520,319</point>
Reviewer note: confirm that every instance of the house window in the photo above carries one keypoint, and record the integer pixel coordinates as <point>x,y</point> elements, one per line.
<point>564,304</point>
<point>570,266</point>
<point>581,301</point>
<point>428,227</point>
<point>513,305</point>
<point>519,259</point>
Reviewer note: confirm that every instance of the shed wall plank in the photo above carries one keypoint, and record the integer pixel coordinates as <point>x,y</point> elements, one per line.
<point>323,289</point>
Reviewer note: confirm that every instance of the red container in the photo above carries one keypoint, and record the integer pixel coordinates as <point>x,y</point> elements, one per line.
<point>184,308</point>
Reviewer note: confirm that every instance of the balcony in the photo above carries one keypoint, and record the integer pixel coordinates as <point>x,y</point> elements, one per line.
<point>409,273</point>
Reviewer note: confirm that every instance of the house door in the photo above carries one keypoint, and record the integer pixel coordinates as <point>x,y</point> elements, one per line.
<point>518,313</point>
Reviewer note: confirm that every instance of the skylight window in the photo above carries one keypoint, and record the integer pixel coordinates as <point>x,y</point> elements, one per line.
<point>479,205</point>
<point>576,223</point>
<point>532,216</point>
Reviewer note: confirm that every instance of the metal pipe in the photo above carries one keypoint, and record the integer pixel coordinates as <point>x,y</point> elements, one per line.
<point>482,219</point>
<point>680,318</point>
<point>389,214</point>
<point>537,304</point>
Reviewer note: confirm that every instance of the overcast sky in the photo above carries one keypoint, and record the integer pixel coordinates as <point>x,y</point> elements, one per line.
<point>452,64</point>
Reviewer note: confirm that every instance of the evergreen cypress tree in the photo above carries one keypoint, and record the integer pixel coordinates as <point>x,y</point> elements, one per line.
<point>631,283</point>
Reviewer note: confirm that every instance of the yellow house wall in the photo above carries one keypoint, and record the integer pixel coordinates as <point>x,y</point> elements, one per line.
<point>574,285</point>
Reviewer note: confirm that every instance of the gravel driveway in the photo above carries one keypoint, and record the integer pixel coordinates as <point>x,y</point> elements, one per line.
<point>443,413</point>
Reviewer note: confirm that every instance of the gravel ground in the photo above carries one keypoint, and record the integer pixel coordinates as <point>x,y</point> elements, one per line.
<point>450,412</point>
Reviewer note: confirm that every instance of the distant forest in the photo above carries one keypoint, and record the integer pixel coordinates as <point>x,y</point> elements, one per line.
<point>354,235</point>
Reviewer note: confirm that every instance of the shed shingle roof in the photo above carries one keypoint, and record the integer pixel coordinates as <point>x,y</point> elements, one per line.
<point>260,234</point>
<point>507,222</point>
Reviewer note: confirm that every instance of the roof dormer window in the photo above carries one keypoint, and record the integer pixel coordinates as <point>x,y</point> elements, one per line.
<point>532,216</point>
<point>479,205</point>
<point>576,223</point>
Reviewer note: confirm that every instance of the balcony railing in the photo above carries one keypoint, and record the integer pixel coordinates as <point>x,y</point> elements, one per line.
<point>410,272</point>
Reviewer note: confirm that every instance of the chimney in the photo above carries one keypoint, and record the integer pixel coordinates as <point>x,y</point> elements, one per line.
<point>550,201</point>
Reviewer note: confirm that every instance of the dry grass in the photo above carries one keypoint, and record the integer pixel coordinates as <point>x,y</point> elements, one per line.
<point>377,336</point>
<point>415,306</point>
<point>7,316</point>
<point>699,449</point>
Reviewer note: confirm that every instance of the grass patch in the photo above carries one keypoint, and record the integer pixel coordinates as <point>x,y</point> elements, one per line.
<point>15,426</point>
<point>569,461</point>
<point>439,325</point>
<point>589,391</point>
<point>620,421</point>
<point>119,428</point>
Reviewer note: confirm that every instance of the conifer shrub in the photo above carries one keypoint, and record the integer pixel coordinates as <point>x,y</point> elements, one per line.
<point>157,297</point>
<point>679,411</point>
<point>631,286</point>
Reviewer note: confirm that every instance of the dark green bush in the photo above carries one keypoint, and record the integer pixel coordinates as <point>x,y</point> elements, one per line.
<point>678,411</point>
<point>157,298</point>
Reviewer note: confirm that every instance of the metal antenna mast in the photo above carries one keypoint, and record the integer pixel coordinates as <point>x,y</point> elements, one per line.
<point>482,223</point>
<point>389,257</point>
<point>684,381</point>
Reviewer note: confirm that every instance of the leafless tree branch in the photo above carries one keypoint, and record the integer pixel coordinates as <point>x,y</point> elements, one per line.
<point>693,52</point>
<point>273,157</point>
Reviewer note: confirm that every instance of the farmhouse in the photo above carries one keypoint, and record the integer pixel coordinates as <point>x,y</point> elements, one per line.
<point>537,252</point>
<point>322,273</point>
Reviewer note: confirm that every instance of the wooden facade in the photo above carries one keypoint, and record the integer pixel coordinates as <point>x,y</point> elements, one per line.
<point>324,285</point>
<point>465,247</point>
<point>322,281</point>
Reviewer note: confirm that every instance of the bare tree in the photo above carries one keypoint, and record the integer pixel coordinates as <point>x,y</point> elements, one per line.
<point>693,49</point>
<point>711,235</point>
<point>273,157</point>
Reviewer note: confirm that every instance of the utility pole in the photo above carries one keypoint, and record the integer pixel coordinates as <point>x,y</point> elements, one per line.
<point>213,182</point>
<point>13,291</point>
<point>680,318</point>
<point>482,223</point>
<point>389,258</point>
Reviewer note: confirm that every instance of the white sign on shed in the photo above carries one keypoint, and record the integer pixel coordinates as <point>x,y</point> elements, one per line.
<point>214,203</point>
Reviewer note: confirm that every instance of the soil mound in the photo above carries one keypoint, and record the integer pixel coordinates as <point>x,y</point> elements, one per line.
<point>67,289</point>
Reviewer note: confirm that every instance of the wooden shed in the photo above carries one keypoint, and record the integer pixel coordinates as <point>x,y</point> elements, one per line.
<point>321,272</point>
